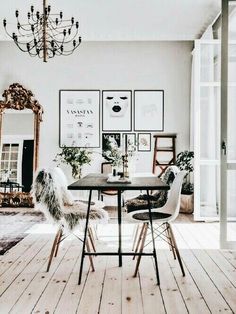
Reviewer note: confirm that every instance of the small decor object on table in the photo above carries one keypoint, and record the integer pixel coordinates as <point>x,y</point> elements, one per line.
<point>116,110</point>
<point>144,142</point>
<point>74,157</point>
<point>184,162</point>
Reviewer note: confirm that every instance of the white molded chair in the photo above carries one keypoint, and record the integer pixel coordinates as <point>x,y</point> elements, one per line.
<point>162,216</point>
<point>51,196</point>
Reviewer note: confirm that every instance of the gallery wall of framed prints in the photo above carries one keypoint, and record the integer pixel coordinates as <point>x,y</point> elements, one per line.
<point>137,114</point>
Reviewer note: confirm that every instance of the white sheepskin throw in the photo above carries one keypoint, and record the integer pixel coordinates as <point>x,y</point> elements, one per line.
<point>50,198</point>
<point>60,177</point>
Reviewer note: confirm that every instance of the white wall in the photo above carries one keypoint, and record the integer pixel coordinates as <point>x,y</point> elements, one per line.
<point>105,65</point>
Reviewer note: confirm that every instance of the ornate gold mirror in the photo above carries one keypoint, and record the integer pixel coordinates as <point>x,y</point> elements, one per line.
<point>20,117</point>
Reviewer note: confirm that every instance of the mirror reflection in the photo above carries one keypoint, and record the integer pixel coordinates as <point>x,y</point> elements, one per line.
<point>17,151</point>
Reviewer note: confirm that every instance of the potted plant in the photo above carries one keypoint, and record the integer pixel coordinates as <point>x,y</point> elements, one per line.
<point>184,162</point>
<point>75,157</point>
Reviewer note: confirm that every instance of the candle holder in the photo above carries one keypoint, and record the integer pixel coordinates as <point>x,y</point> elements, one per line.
<point>125,165</point>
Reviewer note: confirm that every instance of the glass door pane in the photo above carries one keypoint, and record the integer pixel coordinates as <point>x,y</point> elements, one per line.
<point>228,126</point>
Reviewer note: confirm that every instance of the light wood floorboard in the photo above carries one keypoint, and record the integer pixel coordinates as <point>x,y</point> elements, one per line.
<point>208,287</point>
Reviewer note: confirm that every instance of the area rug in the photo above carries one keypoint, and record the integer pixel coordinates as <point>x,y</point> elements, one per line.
<point>13,226</point>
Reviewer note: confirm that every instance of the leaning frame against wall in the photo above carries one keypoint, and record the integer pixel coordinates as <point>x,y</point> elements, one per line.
<point>16,97</point>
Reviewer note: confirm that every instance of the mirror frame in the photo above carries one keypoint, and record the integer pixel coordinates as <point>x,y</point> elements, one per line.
<point>19,98</point>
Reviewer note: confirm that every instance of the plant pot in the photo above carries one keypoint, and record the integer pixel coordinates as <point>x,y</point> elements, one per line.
<point>186,203</point>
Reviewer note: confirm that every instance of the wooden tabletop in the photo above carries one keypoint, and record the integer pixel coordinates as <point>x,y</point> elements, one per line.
<point>99,182</point>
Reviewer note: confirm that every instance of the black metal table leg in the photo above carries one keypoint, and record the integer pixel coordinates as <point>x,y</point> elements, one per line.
<point>85,237</point>
<point>119,227</point>
<point>153,239</point>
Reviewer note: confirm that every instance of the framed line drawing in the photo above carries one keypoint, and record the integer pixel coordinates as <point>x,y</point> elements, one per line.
<point>144,142</point>
<point>79,118</point>
<point>149,110</point>
<point>117,110</point>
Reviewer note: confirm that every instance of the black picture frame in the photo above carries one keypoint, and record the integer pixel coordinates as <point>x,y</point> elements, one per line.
<point>149,110</point>
<point>128,135</point>
<point>149,145</point>
<point>109,116</point>
<point>105,136</point>
<point>79,110</point>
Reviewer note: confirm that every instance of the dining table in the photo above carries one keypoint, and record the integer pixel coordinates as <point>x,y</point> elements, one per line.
<point>97,182</point>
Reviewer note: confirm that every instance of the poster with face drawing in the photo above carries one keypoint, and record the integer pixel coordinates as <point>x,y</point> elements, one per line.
<point>116,110</point>
<point>79,118</point>
<point>149,110</point>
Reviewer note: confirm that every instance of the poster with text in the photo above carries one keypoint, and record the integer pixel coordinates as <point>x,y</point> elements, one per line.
<point>80,118</point>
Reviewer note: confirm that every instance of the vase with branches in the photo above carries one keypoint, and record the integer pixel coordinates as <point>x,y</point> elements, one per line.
<point>75,157</point>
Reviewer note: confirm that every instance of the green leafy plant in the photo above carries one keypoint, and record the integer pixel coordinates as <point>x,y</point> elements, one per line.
<point>75,157</point>
<point>184,162</point>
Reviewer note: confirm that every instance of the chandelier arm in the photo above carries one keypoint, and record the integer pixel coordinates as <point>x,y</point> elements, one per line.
<point>65,41</point>
<point>51,27</point>
<point>69,52</point>
<point>33,17</point>
<point>26,24</point>
<point>68,37</point>
<point>25,34</point>
<point>19,46</point>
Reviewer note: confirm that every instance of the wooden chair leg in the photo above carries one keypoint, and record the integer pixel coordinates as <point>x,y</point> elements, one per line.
<point>176,249</point>
<point>91,237</point>
<point>141,248</point>
<point>171,244</point>
<point>90,257</point>
<point>135,236</point>
<point>58,242</point>
<point>139,240</point>
<point>53,249</point>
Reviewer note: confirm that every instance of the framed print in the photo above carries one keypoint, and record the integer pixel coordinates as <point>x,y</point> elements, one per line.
<point>116,110</point>
<point>149,110</point>
<point>107,136</point>
<point>144,142</point>
<point>80,118</point>
<point>131,141</point>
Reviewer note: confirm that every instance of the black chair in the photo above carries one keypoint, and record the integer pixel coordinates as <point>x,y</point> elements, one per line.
<point>106,168</point>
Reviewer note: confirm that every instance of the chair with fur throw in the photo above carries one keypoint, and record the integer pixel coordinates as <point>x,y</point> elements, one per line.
<point>51,196</point>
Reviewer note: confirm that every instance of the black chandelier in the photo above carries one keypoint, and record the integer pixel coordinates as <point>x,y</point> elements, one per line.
<point>46,35</point>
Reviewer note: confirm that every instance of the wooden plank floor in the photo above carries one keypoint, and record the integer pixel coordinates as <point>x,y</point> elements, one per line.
<point>208,287</point>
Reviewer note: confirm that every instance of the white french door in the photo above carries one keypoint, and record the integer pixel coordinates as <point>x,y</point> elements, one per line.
<point>228,126</point>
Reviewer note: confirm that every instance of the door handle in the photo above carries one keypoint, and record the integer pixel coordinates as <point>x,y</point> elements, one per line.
<point>223,147</point>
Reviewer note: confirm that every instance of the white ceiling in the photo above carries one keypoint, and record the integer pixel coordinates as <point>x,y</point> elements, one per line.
<point>126,19</point>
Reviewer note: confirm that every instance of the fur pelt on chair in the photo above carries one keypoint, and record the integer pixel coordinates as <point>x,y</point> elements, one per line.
<point>157,199</point>
<point>49,198</point>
